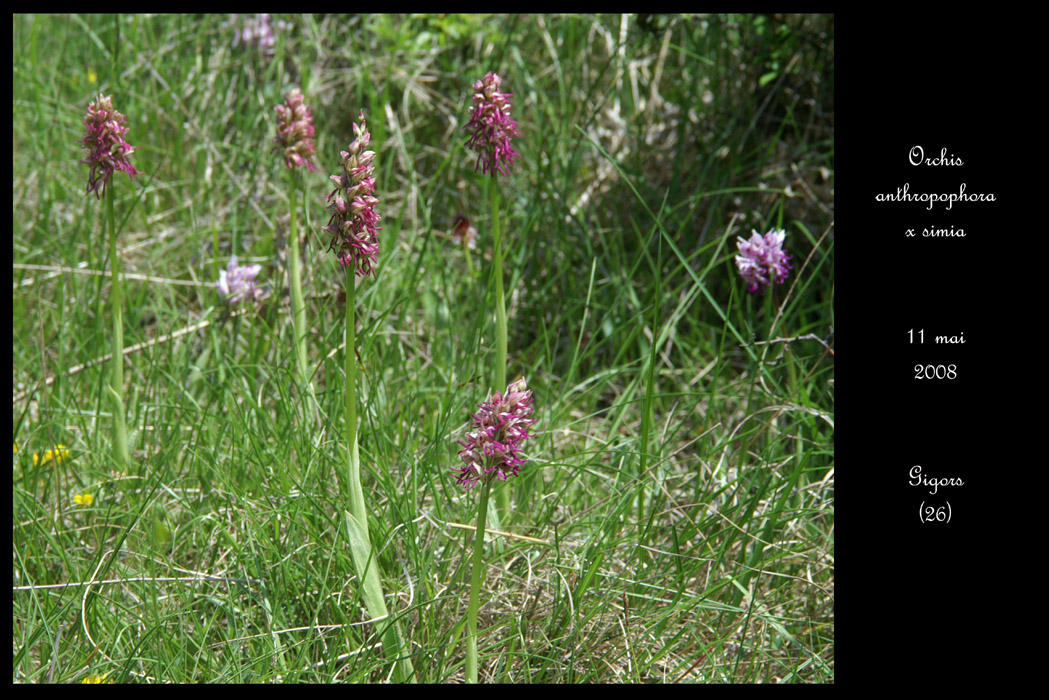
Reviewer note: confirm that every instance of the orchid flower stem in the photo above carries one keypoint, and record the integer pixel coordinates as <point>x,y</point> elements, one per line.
<point>469,265</point>
<point>120,449</point>
<point>354,467</point>
<point>476,578</point>
<point>502,497</point>
<point>298,305</point>
<point>365,561</point>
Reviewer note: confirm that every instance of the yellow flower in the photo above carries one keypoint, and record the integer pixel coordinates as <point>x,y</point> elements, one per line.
<point>16,449</point>
<point>84,499</point>
<point>58,454</point>
<point>95,678</point>
<point>91,76</point>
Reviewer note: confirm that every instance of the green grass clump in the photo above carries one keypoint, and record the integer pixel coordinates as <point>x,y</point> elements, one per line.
<point>675,522</point>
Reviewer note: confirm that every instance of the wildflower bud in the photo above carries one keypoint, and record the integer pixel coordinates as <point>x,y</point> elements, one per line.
<point>58,454</point>
<point>762,260</point>
<point>104,140</point>
<point>295,131</point>
<point>256,31</point>
<point>491,128</point>
<point>353,227</point>
<point>237,282</point>
<point>500,426</point>
<point>464,233</point>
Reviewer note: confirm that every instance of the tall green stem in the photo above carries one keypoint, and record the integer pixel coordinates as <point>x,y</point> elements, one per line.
<point>116,377</point>
<point>353,455</point>
<point>475,585</point>
<point>360,541</point>
<point>298,306</point>
<point>500,302</point>
<point>502,498</point>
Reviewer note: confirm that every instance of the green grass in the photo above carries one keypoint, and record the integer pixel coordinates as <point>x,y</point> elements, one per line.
<point>675,523</point>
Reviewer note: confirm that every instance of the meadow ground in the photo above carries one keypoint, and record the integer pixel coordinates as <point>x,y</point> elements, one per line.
<point>675,519</point>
